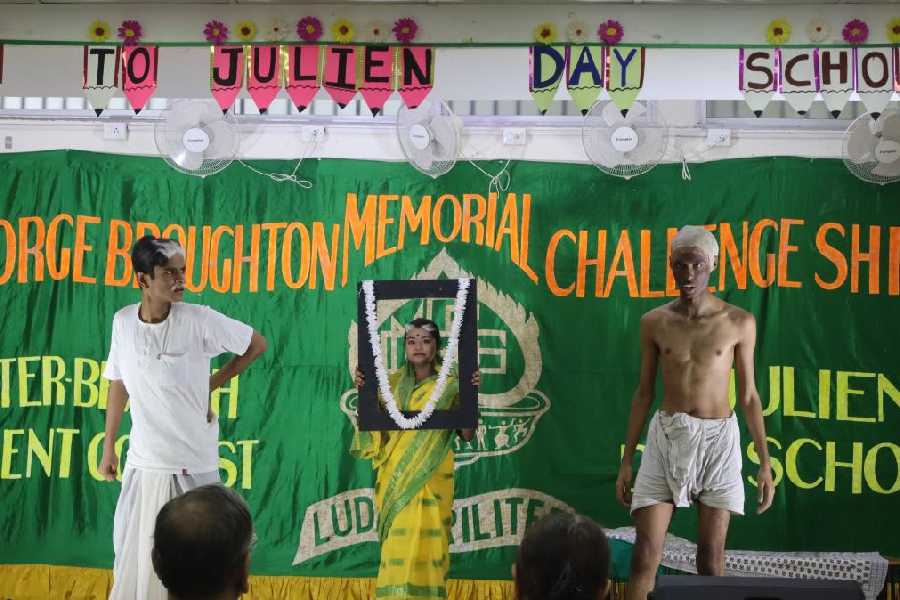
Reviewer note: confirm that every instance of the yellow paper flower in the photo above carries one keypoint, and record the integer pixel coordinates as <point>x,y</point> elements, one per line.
<point>98,31</point>
<point>342,31</point>
<point>545,33</point>
<point>778,32</point>
<point>893,30</point>
<point>246,30</point>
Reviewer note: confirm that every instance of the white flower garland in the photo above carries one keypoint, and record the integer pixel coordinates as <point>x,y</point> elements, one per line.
<point>416,422</point>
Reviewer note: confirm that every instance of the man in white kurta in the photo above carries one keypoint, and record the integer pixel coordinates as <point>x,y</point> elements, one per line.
<point>159,361</point>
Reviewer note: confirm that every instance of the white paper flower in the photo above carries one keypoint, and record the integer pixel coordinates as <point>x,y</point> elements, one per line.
<point>277,31</point>
<point>818,30</point>
<point>377,31</point>
<point>577,32</point>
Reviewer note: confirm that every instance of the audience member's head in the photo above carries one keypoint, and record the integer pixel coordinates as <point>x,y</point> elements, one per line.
<point>201,544</point>
<point>563,556</point>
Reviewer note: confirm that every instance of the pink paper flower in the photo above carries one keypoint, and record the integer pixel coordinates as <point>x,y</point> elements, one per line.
<point>130,32</point>
<point>405,30</point>
<point>309,29</point>
<point>856,32</point>
<point>216,32</point>
<point>611,32</point>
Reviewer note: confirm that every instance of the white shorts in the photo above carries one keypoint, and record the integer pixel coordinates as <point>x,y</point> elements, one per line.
<point>142,497</point>
<point>687,459</point>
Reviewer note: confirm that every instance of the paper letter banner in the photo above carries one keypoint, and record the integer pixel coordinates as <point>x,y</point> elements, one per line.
<point>340,73</point>
<point>896,67</point>
<point>584,74</point>
<point>873,77</point>
<point>624,75</point>
<point>139,68</point>
<point>263,75</point>
<point>376,65</point>
<point>799,77</point>
<point>758,77</point>
<point>101,75</point>
<point>226,65</point>
<point>302,73</point>
<point>547,64</point>
<point>836,78</point>
<point>416,73</point>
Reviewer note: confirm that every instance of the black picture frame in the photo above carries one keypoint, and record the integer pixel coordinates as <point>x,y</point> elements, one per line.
<point>371,416</point>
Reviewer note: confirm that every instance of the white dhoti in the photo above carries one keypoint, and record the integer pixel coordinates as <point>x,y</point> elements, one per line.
<point>687,459</point>
<point>143,495</point>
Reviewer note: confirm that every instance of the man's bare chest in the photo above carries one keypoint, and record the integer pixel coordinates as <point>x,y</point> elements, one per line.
<point>707,341</point>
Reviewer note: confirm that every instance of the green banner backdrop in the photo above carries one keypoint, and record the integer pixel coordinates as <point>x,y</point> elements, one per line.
<point>567,260</point>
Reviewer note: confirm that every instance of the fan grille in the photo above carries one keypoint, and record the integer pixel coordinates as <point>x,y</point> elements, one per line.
<point>209,166</point>
<point>207,115</point>
<point>864,170</point>
<point>431,113</point>
<point>596,134</point>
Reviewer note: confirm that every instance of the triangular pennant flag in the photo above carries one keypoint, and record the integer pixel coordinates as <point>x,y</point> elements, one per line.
<point>546,67</point>
<point>139,69</point>
<point>374,76</point>
<point>263,74</point>
<point>226,74</point>
<point>873,77</point>
<point>340,73</point>
<point>836,78</point>
<point>303,73</point>
<point>585,69</point>
<point>415,73</point>
<point>896,69</point>
<point>758,77</point>
<point>799,77</point>
<point>101,75</point>
<point>624,75</point>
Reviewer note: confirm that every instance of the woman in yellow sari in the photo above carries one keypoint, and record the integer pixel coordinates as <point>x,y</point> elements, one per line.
<point>414,480</point>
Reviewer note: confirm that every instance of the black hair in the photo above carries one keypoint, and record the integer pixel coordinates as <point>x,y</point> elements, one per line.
<point>201,542</point>
<point>149,252</point>
<point>429,326</point>
<point>563,556</point>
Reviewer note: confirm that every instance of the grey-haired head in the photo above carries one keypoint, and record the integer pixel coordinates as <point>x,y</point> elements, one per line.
<point>160,268</point>
<point>149,252</point>
<point>695,236</point>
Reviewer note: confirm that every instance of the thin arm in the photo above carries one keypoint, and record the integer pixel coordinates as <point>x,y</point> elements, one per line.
<point>748,396</point>
<point>643,395</point>
<point>239,364</point>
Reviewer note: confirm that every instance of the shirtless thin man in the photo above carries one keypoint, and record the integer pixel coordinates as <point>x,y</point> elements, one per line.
<point>693,448</point>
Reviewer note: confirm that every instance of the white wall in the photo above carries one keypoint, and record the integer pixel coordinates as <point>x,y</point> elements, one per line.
<point>378,141</point>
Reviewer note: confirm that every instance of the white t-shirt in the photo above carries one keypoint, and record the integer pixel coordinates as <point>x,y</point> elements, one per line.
<point>165,368</point>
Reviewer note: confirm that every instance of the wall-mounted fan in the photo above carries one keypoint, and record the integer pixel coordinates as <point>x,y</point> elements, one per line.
<point>430,136</point>
<point>624,146</point>
<point>872,147</point>
<point>196,138</point>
